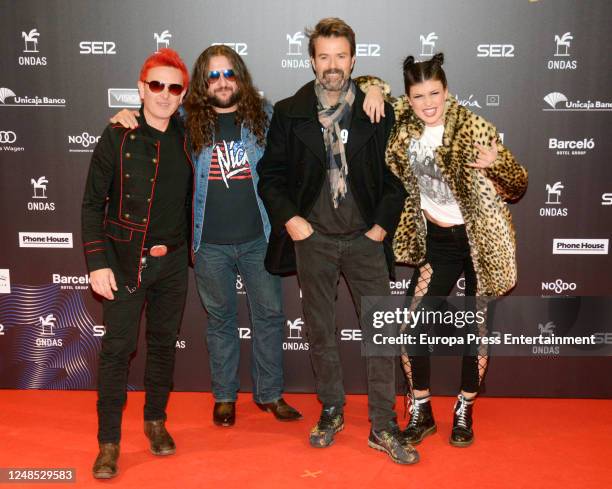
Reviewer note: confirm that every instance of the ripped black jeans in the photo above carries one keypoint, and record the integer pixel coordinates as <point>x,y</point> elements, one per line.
<point>447,257</point>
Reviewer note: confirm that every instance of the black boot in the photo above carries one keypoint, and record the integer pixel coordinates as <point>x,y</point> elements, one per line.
<point>462,434</point>
<point>422,422</point>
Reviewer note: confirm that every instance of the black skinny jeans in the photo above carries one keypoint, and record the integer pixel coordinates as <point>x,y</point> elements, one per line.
<point>447,257</point>
<point>163,289</point>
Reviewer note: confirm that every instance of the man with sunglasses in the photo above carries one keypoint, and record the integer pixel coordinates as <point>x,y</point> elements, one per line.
<point>136,221</point>
<point>334,207</point>
<point>227,122</point>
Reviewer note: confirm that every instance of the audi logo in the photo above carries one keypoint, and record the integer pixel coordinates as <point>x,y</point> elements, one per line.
<point>7,137</point>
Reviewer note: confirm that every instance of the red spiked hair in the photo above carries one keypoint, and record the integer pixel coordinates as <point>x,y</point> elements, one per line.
<point>165,57</point>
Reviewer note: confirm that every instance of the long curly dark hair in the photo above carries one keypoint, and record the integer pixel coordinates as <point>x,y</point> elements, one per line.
<point>201,115</point>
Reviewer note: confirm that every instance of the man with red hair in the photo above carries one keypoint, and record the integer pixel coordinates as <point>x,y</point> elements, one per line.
<point>136,222</point>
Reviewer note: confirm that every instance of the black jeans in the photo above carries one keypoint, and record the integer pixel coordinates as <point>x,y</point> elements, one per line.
<point>320,261</point>
<point>163,289</point>
<point>447,257</point>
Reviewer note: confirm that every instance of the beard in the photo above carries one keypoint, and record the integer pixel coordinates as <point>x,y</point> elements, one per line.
<point>334,84</point>
<point>224,104</point>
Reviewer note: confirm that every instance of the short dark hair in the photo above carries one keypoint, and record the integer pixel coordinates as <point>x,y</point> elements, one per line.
<point>425,70</point>
<point>330,27</point>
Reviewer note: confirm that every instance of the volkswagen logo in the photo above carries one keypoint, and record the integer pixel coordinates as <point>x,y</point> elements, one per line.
<point>7,137</point>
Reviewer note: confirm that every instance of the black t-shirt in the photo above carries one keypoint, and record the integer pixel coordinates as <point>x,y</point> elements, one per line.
<point>345,221</point>
<point>168,218</point>
<point>231,214</point>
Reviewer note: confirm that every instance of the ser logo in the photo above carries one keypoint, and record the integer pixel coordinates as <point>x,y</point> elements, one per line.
<point>241,48</point>
<point>495,51</point>
<point>97,47</point>
<point>350,335</point>
<point>368,50</point>
<point>606,199</point>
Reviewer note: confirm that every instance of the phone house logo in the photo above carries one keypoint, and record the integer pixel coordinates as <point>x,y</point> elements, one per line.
<point>577,246</point>
<point>45,240</point>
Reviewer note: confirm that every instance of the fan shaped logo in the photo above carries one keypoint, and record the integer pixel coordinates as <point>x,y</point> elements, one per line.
<point>162,40</point>
<point>554,98</point>
<point>428,43</point>
<point>6,93</point>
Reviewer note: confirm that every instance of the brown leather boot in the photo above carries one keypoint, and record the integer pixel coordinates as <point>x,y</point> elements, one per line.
<point>161,441</point>
<point>105,466</point>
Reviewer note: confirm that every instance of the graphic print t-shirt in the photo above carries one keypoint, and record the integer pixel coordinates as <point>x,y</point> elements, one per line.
<point>231,214</point>
<point>436,196</point>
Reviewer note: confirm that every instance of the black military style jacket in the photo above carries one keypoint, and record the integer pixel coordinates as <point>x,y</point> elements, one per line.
<point>118,197</point>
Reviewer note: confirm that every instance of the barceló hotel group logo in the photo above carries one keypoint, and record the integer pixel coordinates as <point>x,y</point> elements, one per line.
<point>45,240</point>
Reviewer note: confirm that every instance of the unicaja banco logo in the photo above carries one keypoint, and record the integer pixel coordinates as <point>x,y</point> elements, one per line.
<point>563,43</point>
<point>6,93</point>
<point>30,41</point>
<point>553,98</point>
<point>428,43</point>
<point>162,40</point>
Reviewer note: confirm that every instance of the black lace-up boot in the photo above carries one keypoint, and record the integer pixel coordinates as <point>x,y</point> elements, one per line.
<point>462,434</point>
<point>421,423</point>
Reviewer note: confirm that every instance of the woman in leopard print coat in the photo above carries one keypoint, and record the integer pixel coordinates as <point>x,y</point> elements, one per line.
<point>455,220</point>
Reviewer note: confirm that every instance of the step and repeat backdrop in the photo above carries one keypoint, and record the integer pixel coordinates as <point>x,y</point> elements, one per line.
<point>539,70</point>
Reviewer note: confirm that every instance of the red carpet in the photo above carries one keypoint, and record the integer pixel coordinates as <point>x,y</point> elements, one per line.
<point>520,443</point>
